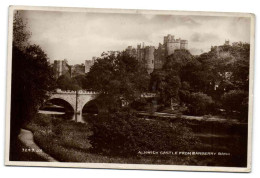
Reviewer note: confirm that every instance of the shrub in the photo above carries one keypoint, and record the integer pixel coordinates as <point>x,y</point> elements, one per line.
<point>200,104</point>
<point>141,105</point>
<point>236,100</point>
<point>184,96</point>
<point>123,134</point>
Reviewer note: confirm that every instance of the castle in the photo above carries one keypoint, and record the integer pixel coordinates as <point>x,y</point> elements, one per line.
<point>149,56</point>
<point>61,67</point>
<point>153,58</point>
<point>89,63</point>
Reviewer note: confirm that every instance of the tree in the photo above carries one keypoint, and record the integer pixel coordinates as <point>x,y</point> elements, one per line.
<point>200,104</point>
<point>117,77</point>
<point>65,82</point>
<point>166,82</point>
<point>20,32</point>
<point>184,93</point>
<point>236,101</point>
<point>177,60</point>
<point>32,78</point>
<point>240,67</point>
<point>80,81</point>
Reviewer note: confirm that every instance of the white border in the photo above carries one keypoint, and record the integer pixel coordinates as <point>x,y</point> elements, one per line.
<point>130,166</point>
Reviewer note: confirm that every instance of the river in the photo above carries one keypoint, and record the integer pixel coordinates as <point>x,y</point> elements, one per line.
<point>67,116</point>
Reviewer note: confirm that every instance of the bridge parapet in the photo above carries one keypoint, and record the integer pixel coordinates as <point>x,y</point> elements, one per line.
<point>144,95</point>
<point>74,92</point>
<point>87,92</point>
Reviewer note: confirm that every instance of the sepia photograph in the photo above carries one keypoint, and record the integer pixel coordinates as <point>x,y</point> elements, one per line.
<point>129,89</point>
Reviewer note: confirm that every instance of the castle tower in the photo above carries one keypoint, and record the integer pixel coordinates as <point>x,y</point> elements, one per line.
<point>149,58</point>
<point>57,67</point>
<point>168,38</point>
<point>153,58</point>
<point>171,44</point>
<point>226,42</point>
<point>131,51</point>
<point>159,56</point>
<point>89,63</point>
<point>140,53</point>
<point>184,44</point>
<point>61,67</point>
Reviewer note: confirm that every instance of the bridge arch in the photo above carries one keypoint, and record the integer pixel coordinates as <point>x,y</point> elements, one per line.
<point>90,107</point>
<point>59,102</point>
<point>77,99</point>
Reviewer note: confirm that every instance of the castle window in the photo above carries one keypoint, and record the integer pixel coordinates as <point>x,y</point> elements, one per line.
<point>152,61</point>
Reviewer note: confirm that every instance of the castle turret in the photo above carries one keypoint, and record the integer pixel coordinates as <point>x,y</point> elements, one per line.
<point>226,42</point>
<point>169,38</point>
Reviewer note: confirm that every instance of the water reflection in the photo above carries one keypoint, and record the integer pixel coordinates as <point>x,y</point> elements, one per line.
<point>83,118</point>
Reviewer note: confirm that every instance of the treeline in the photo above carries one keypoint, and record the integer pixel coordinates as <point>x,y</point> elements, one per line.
<point>218,79</point>
<point>66,82</point>
<point>204,84</point>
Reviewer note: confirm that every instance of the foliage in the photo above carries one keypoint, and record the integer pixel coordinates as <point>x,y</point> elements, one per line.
<point>200,103</point>
<point>21,34</point>
<point>124,134</point>
<point>59,137</point>
<point>214,73</point>
<point>167,82</point>
<point>240,68</point>
<point>142,104</point>
<point>32,78</point>
<point>78,70</point>
<point>166,85</point>
<point>65,82</point>
<point>236,100</point>
<point>184,93</point>
<point>49,134</point>
<point>117,77</point>
<point>177,60</point>
<point>80,80</point>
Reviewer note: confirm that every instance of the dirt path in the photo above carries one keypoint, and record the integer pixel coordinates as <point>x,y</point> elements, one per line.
<point>26,137</point>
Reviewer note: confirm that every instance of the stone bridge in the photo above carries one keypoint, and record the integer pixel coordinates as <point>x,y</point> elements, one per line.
<point>77,100</point>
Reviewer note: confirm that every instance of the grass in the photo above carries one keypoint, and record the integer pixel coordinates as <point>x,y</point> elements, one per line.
<point>68,141</point>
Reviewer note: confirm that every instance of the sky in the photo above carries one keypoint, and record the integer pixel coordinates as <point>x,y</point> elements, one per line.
<point>78,36</point>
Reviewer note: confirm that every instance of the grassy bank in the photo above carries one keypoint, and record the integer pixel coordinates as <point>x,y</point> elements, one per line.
<point>69,141</point>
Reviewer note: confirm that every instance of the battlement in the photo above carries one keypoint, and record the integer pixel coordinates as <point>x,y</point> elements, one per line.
<point>154,58</point>
<point>184,41</point>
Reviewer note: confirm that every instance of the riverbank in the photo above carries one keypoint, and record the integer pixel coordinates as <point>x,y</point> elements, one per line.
<point>68,141</point>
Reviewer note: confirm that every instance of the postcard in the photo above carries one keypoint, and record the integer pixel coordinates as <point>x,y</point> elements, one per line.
<point>129,89</point>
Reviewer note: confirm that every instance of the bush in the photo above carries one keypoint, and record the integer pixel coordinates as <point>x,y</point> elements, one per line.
<point>200,104</point>
<point>236,100</point>
<point>123,134</point>
<point>141,105</point>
